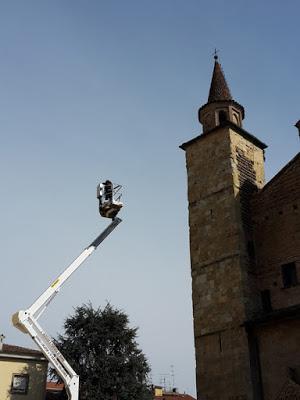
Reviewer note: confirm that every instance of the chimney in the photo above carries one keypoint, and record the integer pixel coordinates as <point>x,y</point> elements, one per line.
<point>297,125</point>
<point>2,337</point>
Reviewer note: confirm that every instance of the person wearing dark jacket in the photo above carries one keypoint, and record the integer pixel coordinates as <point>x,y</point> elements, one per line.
<point>108,190</point>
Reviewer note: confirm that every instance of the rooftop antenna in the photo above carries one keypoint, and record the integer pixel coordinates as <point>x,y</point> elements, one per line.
<point>2,337</point>
<point>163,381</point>
<point>172,375</point>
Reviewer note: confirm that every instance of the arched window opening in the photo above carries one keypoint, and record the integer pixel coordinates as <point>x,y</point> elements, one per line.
<point>236,119</point>
<point>222,117</point>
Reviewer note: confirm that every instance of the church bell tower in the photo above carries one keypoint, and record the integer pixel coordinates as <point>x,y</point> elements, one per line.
<point>225,165</point>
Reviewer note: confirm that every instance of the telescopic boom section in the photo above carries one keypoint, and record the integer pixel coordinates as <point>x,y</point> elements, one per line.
<point>26,320</point>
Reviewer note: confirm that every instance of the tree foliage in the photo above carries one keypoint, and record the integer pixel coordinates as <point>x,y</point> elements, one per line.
<point>102,349</point>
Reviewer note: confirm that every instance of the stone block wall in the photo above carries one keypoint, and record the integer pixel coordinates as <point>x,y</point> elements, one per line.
<point>223,367</point>
<point>223,170</point>
<point>278,345</point>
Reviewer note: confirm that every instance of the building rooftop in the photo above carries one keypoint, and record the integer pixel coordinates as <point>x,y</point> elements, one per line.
<point>174,396</point>
<point>54,386</point>
<point>18,350</point>
<point>283,170</point>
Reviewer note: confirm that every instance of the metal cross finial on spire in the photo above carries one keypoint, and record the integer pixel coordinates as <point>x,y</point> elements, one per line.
<point>215,54</point>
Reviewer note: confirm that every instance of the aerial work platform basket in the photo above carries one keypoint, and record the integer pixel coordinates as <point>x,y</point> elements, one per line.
<point>109,196</point>
<point>26,321</point>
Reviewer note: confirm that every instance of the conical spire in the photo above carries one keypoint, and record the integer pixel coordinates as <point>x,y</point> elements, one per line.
<point>219,90</point>
<point>220,107</point>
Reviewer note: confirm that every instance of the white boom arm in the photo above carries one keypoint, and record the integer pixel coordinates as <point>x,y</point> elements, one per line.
<point>26,320</point>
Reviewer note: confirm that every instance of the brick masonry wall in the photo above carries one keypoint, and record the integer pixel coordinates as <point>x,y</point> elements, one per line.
<point>276,217</point>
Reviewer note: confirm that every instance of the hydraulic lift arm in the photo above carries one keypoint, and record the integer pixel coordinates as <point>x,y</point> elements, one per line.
<point>26,320</point>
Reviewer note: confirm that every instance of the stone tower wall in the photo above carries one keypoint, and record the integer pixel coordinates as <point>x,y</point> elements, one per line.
<point>278,344</point>
<point>223,170</point>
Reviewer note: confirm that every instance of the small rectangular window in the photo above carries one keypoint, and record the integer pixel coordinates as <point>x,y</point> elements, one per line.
<point>251,249</point>
<point>289,275</point>
<point>266,300</point>
<point>19,383</point>
<point>294,374</point>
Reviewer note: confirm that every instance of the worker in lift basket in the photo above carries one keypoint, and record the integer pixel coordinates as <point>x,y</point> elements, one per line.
<point>108,190</point>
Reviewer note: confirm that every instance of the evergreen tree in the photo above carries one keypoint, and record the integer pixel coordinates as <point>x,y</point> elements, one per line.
<point>102,349</point>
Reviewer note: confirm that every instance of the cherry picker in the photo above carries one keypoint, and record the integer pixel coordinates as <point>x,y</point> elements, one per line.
<point>26,321</point>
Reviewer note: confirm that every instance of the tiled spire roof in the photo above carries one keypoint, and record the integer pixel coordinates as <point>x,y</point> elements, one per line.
<point>219,89</point>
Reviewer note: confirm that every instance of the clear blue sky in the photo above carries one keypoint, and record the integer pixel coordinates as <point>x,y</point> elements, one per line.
<point>110,89</point>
